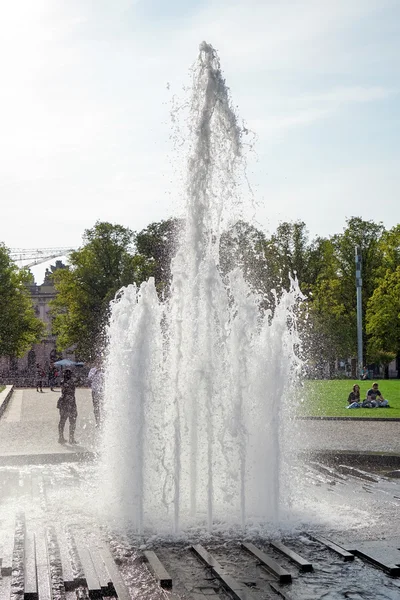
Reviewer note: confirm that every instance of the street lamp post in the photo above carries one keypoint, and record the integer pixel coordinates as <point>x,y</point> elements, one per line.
<point>359,310</point>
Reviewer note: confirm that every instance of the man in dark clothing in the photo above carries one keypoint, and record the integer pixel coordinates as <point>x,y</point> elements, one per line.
<point>39,378</point>
<point>376,398</point>
<point>52,375</point>
<point>67,406</point>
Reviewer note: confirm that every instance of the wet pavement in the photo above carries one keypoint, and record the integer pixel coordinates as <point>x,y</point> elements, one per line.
<point>59,506</point>
<point>56,502</point>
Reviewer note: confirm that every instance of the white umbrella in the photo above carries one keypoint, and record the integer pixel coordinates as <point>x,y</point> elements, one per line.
<point>66,362</point>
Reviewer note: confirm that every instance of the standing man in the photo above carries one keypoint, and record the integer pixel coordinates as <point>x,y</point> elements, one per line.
<point>67,407</point>
<point>39,378</point>
<point>96,380</point>
<point>52,376</point>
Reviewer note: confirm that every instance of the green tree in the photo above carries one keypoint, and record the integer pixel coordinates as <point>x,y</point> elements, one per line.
<point>383,318</point>
<point>158,243</point>
<point>327,327</point>
<point>389,251</point>
<point>383,308</point>
<point>332,300</point>
<point>242,245</point>
<point>290,253</point>
<point>367,235</point>
<point>19,327</point>
<point>105,263</point>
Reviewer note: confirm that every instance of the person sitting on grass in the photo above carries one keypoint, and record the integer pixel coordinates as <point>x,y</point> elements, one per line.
<point>354,397</point>
<point>375,397</point>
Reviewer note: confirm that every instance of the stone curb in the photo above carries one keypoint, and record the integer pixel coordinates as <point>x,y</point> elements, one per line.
<point>353,458</point>
<point>348,418</point>
<point>5,397</point>
<point>9,460</point>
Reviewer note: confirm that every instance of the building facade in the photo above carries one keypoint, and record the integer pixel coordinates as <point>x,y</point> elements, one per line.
<point>22,371</point>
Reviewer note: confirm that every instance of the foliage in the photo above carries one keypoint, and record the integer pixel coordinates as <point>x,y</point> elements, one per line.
<point>383,305</point>
<point>366,235</point>
<point>383,317</point>
<point>243,246</point>
<point>158,243</point>
<point>332,324</point>
<point>324,267</point>
<point>389,251</point>
<point>381,357</point>
<point>103,265</point>
<point>19,327</point>
<point>332,303</point>
<point>287,254</point>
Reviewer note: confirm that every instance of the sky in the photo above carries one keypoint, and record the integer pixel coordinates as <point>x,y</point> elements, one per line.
<point>87,90</point>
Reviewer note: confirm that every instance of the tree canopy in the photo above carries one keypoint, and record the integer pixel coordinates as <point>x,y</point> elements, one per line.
<point>19,327</point>
<point>383,317</point>
<point>105,263</point>
<point>383,303</point>
<point>113,256</point>
<point>158,243</point>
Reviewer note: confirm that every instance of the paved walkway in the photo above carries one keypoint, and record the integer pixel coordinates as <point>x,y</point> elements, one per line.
<point>29,426</point>
<point>361,436</point>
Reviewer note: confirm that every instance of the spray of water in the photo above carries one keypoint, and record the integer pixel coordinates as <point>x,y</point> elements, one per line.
<point>198,386</point>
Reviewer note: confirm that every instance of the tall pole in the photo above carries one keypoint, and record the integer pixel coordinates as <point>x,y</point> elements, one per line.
<point>359,311</point>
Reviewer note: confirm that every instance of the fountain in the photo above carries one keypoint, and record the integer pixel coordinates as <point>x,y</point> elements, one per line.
<point>199,385</point>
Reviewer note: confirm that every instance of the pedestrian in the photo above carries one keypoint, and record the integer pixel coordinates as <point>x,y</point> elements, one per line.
<point>96,380</point>
<point>52,375</point>
<point>67,407</point>
<point>39,378</point>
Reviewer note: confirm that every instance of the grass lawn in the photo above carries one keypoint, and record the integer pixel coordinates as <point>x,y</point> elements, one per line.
<point>325,398</point>
<point>3,387</point>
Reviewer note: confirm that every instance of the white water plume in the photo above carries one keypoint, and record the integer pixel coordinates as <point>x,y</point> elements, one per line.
<point>198,386</point>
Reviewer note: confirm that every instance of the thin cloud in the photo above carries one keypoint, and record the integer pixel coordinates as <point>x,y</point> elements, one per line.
<point>306,110</point>
<point>84,112</point>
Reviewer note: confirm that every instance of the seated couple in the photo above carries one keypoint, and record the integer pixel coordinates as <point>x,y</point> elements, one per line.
<point>374,398</point>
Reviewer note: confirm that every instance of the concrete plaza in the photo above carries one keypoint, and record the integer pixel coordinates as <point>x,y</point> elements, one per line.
<point>29,428</point>
<point>29,434</point>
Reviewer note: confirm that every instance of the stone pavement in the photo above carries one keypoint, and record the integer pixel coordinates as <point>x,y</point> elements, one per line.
<point>55,543</point>
<point>361,436</point>
<point>29,427</point>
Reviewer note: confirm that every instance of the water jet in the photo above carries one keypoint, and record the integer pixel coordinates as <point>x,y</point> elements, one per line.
<point>198,385</point>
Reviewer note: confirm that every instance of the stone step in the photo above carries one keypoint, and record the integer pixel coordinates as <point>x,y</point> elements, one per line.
<point>91,578</point>
<point>102,572</point>
<point>347,556</point>
<point>118,585</point>
<point>159,571</point>
<point>303,564</point>
<point>237,590</point>
<point>269,563</point>
<point>18,559</point>
<point>30,584</point>
<point>7,549</point>
<point>43,569</point>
